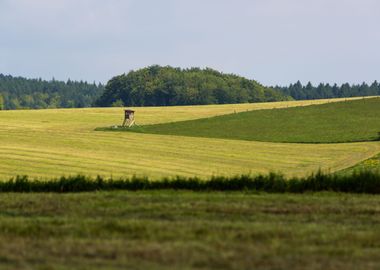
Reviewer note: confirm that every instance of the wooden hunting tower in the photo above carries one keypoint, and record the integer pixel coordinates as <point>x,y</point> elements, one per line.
<point>129,118</point>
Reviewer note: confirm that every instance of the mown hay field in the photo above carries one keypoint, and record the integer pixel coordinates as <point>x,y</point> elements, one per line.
<point>49,143</point>
<point>372,164</point>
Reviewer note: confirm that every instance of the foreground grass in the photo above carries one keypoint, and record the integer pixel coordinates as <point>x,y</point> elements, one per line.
<point>51,143</point>
<point>349,121</point>
<point>187,230</point>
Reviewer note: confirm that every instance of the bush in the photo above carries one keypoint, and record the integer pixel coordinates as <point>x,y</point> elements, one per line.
<point>359,182</point>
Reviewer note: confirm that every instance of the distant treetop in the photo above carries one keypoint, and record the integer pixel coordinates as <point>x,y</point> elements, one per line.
<point>21,93</point>
<point>309,91</point>
<point>163,86</point>
<point>167,86</point>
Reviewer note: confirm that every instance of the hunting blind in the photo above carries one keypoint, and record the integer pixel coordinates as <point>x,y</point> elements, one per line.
<point>129,118</point>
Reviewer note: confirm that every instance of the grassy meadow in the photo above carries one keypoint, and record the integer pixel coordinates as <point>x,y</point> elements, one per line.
<point>351,121</point>
<point>169,228</point>
<point>187,230</point>
<point>51,143</point>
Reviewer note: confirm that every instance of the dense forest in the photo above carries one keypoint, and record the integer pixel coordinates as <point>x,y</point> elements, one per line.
<point>21,93</point>
<point>308,91</point>
<point>166,86</point>
<point>163,86</point>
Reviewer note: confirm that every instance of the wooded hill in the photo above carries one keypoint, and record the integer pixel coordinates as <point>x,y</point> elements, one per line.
<point>165,86</point>
<point>21,93</point>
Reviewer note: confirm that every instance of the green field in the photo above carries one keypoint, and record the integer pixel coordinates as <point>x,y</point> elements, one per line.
<point>186,230</point>
<point>51,143</point>
<point>350,121</point>
<point>170,229</point>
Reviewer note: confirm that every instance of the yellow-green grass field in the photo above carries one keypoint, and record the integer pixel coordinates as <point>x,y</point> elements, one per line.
<point>51,143</point>
<point>371,164</point>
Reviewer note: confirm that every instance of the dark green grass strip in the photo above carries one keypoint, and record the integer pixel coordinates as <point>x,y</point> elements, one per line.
<point>351,121</point>
<point>358,182</point>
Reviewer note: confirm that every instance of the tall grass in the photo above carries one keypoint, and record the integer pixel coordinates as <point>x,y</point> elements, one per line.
<point>358,182</point>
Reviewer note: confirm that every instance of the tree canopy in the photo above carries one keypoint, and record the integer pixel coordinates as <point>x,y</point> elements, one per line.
<point>21,93</point>
<point>309,91</point>
<point>166,86</point>
<point>163,86</point>
<point>1,102</point>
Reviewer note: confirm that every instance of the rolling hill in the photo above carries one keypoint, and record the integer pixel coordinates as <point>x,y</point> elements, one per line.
<point>51,143</point>
<point>351,121</point>
<point>168,86</point>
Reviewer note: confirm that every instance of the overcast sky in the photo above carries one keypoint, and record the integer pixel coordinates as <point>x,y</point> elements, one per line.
<point>272,41</point>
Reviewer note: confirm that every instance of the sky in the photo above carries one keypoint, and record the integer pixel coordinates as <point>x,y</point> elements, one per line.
<point>276,42</point>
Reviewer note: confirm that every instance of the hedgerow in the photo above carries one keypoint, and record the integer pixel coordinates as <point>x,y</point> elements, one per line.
<point>358,182</point>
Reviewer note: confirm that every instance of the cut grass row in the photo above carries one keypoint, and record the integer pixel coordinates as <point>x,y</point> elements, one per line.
<point>51,143</point>
<point>187,230</point>
<point>160,156</point>
<point>350,121</point>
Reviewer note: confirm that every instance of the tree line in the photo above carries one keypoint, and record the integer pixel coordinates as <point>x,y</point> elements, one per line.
<point>166,86</point>
<point>163,86</point>
<point>322,91</point>
<point>22,93</point>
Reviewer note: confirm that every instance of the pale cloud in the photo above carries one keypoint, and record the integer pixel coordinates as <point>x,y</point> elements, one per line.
<point>274,41</point>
